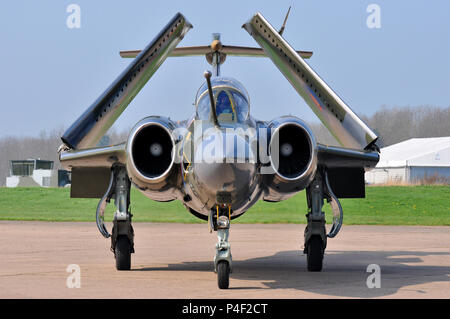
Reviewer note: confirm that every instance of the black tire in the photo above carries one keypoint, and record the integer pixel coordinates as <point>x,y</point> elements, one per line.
<point>223,274</point>
<point>314,255</point>
<point>122,253</point>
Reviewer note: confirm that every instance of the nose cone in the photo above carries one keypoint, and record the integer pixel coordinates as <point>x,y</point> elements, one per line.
<point>224,163</point>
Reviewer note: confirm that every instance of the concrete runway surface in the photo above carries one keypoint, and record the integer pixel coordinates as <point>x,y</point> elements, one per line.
<point>176,261</point>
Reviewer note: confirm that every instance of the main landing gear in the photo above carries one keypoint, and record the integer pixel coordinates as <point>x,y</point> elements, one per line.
<point>219,221</point>
<point>122,238</point>
<point>315,231</point>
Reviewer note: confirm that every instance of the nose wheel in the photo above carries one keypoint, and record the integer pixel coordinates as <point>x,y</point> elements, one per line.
<point>223,274</point>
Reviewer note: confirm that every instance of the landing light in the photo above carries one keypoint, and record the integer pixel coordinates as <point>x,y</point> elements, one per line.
<point>223,222</point>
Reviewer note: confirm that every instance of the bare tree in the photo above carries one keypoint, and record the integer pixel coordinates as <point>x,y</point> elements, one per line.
<point>397,124</point>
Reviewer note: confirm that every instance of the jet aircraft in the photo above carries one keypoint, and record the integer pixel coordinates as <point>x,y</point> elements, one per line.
<point>221,160</point>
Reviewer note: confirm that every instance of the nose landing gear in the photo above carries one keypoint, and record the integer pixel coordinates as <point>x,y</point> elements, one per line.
<point>220,221</point>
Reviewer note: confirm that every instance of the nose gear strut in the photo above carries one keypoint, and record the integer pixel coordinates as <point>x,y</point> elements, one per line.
<point>219,220</point>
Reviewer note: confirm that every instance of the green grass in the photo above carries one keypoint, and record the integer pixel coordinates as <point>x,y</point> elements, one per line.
<point>390,205</point>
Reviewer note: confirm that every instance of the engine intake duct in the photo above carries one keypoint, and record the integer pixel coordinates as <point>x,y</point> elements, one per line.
<point>293,158</point>
<point>151,156</point>
<point>152,151</point>
<point>291,142</point>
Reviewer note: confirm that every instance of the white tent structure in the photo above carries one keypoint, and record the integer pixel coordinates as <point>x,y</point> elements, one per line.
<point>413,160</point>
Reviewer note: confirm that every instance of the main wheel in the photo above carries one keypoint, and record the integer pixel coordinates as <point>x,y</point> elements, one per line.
<point>314,255</point>
<point>122,253</point>
<point>223,274</point>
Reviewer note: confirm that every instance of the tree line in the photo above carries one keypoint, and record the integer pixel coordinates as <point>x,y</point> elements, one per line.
<point>392,125</point>
<point>397,124</point>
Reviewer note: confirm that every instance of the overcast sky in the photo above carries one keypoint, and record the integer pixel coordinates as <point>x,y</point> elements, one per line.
<point>51,73</point>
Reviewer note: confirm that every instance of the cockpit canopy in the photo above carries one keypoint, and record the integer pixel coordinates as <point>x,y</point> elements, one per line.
<point>230,97</point>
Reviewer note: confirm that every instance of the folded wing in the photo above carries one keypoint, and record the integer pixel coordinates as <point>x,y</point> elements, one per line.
<point>94,157</point>
<point>337,116</point>
<point>88,129</point>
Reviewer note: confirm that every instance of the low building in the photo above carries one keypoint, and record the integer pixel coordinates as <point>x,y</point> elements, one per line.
<point>414,160</point>
<point>36,172</point>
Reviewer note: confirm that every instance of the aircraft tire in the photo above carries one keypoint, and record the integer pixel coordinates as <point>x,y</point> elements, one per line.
<point>223,274</point>
<point>122,253</point>
<point>314,256</point>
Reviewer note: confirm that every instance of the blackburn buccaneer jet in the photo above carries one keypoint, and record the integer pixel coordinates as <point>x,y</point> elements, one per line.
<point>221,161</point>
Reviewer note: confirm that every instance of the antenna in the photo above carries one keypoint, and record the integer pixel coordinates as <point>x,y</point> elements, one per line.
<point>284,23</point>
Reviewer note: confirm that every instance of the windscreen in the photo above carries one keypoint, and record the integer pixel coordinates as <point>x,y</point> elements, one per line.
<point>230,97</point>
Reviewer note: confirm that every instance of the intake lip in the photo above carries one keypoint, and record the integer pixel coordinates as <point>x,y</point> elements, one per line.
<point>143,162</point>
<point>295,160</point>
